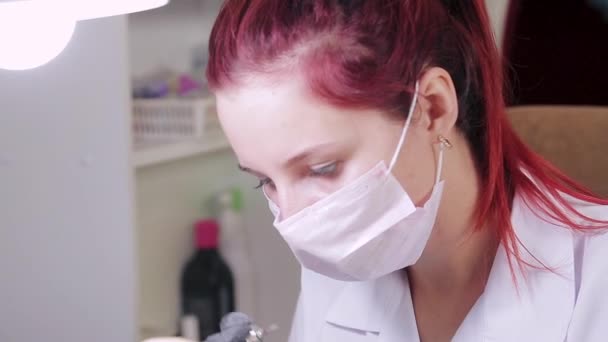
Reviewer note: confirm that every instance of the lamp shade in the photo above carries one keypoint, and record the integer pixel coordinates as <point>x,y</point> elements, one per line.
<point>33,32</point>
<point>91,9</point>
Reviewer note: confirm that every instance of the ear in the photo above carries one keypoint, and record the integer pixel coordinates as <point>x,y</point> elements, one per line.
<point>438,103</point>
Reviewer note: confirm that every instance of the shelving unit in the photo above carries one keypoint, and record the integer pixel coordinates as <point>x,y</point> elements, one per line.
<point>152,154</point>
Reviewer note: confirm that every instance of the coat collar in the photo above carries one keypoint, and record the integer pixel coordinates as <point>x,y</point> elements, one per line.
<point>539,308</point>
<point>367,305</point>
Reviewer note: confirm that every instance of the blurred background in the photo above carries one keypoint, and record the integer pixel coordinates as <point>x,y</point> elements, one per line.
<point>114,171</point>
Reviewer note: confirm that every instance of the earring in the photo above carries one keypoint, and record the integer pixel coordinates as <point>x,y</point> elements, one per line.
<point>444,141</point>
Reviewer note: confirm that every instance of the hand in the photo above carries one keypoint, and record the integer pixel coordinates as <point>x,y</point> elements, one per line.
<point>167,339</point>
<point>230,334</point>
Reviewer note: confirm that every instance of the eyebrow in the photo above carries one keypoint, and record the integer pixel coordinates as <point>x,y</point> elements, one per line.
<point>298,157</point>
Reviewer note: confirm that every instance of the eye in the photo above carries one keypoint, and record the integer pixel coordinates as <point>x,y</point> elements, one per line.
<point>324,170</point>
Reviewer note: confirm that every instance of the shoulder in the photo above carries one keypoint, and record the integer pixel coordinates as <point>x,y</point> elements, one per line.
<point>591,241</point>
<point>592,210</point>
<point>591,277</point>
<point>578,257</point>
<point>553,243</point>
<point>592,216</point>
<point>591,245</point>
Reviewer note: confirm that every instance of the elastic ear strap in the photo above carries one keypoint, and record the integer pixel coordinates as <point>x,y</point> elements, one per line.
<point>442,148</point>
<point>270,202</point>
<point>408,120</point>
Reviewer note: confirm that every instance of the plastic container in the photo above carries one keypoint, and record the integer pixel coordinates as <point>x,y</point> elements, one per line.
<point>172,119</point>
<point>234,247</point>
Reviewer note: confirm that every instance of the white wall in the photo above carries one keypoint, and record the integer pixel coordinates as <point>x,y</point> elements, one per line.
<point>166,36</point>
<point>67,268</point>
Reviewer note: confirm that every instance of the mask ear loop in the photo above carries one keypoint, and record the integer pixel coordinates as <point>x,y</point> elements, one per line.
<point>444,144</point>
<point>408,120</point>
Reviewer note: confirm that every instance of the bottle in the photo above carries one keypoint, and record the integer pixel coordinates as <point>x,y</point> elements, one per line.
<point>207,286</point>
<point>234,246</point>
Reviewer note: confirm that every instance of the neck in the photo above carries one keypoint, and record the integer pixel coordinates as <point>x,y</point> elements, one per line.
<point>462,267</point>
<point>457,257</point>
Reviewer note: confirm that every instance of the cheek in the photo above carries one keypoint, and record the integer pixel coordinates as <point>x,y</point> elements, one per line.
<point>416,170</point>
<point>291,198</point>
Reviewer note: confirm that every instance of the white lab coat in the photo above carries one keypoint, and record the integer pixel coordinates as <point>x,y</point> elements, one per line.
<point>571,305</point>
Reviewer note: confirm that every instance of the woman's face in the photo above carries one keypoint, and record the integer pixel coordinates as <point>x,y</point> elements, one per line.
<point>302,149</point>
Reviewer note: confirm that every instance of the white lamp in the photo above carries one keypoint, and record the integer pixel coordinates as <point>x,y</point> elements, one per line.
<point>90,9</point>
<point>33,32</point>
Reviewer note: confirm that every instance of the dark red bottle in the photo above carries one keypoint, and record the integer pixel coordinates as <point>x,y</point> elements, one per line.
<point>207,285</point>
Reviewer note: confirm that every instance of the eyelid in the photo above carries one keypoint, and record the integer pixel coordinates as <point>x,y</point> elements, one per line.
<point>319,170</point>
<point>326,168</point>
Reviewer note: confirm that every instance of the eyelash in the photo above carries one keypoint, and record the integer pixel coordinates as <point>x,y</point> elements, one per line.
<point>327,170</point>
<point>262,183</point>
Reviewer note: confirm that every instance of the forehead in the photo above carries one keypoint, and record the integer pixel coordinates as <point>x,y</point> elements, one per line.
<point>269,120</point>
<point>287,103</point>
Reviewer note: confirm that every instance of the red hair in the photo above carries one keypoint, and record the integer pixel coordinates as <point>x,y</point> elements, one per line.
<point>358,53</point>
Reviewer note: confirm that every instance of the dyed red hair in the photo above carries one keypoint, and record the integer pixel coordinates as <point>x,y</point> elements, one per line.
<point>369,54</point>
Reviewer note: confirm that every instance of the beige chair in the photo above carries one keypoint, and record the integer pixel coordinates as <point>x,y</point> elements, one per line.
<point>575,139</point>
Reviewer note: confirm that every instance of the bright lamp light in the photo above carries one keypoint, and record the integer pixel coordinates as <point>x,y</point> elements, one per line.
<point>91,9</point>
<point>33,32</point>
<point>29,36</point>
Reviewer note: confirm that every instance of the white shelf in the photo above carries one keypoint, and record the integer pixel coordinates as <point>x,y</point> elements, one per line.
<point>152,154</point>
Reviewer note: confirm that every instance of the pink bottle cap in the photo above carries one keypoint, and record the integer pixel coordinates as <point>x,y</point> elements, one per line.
<point>206,234</point>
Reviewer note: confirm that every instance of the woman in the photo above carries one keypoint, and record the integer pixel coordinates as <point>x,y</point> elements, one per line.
<point>378,132</point>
